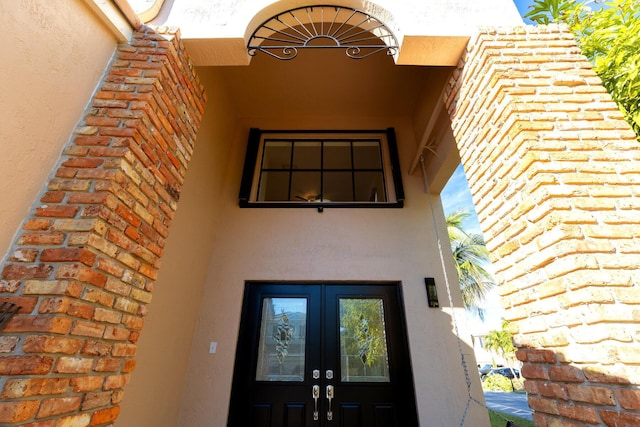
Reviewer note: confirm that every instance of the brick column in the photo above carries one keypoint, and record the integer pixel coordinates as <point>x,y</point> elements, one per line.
<point>555,175</point>
<point>84,265</point>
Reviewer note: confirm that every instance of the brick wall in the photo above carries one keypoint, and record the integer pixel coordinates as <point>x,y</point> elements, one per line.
<point>84,264</point>
<point>555,175</point>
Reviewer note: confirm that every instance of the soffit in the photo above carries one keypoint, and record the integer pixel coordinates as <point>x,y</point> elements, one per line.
<point>328,83</point>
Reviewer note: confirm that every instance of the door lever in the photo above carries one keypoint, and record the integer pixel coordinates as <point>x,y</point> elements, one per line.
<point>316,394</point>
<point>329,397</point>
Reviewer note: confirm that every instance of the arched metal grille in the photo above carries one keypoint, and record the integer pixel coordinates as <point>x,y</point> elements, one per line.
<point>322,27</point>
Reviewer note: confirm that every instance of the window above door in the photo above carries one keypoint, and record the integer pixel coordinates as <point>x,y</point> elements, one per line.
<point>320,169</point>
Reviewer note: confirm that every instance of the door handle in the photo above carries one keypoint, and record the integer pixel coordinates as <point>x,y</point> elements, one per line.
<point>315,391</point>
<point>329,397</point>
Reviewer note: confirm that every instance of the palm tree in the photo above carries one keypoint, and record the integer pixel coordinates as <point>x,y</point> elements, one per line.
<point>500,342</point>
<point>471,258</point>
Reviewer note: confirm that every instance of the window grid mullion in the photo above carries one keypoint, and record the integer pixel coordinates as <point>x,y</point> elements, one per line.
<point>353,172</point>
<point>290,169</point>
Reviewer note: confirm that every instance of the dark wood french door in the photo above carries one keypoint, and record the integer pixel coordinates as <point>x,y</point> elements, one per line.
<point>322,354</point>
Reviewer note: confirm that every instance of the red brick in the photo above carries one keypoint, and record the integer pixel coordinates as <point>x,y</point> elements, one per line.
<point>73,365</point>
<point>53,197</point>
<point>66,172</point>
<point>88,329</point>
<point>553,390</point>
<point>92,140</point>
<point>37,224</point>
<point>24,255</point>
<point>25,365</point>
<point>591,394</point>
<point>88,383</point>
<point>80,309</point>
<point>25,304</point>
<point>126,214</point>
<point>51,344</point>
<point>52,324</point>
<point>96,400</point>
<point>88,198</point>
<point>41,238</point>
<point>565,373</point>
<point>118,238</point>
<point>107,365</point>
<point>12,412</point>
<point>27,387</point>
<point>68,255</point>
<point>101,121</point>
<point>104,416</point>
<point>17,271</point>
<point>96,348</point>
<point>53,287</point>
<point>54,305</point>
<point>628,398</point>
<point>81,273</point>
<point>620,419</point>
<point>59,405</point>
<point>539,404</point>
<point>129,365</point>
<point>578,412</point>
<point>110,267</point>
<point>535,372</point>
<point>116,381</point>
<point>50,423</point>
<point>57,211</point>
<point>124,350</point>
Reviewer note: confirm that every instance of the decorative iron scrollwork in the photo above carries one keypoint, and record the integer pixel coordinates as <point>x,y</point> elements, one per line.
<point>282,337</point>
<point>322,27</point>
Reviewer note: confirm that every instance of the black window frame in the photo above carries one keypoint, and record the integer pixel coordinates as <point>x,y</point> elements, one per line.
<point>250,168</point>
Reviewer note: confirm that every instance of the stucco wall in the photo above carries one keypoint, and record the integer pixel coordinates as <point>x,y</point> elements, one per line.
<point>282,244</point>
<point>50,63</point>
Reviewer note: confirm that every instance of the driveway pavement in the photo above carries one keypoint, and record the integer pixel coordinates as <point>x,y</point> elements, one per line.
<point>509,403</point>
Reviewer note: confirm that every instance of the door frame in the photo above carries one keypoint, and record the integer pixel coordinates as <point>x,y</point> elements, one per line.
<point>244,355</point>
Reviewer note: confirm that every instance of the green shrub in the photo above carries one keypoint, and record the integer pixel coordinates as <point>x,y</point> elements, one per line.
<point>497,383</point>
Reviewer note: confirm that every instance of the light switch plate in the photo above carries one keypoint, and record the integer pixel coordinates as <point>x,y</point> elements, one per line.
<point>212,347</point>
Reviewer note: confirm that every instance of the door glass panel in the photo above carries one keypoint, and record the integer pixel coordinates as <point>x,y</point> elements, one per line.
<point>363,341</point>
<point>281,350</point>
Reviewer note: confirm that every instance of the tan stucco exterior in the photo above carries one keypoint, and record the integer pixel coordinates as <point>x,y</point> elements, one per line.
<point>84,266</point>
<point>52,61</point>
<point>222,246</point>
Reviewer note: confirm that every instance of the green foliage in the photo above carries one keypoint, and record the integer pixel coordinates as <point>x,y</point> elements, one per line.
<point>471,258</point>
<point>497,383</point>
<point>610,38</point>
<point>545,11</point>
<point>500,342</point>
<point>362,322</point>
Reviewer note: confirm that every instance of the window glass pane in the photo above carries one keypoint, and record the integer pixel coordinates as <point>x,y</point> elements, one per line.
<point>370,187</point>
<point>338,186</point>
<point>363,341</point>
<point>366,155</point>
<point>274,186</point>
<point>305,186</point>
<point>337,155</point>
<point>281,350</point>
<point>277,155</point>
<point>306,155</point>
